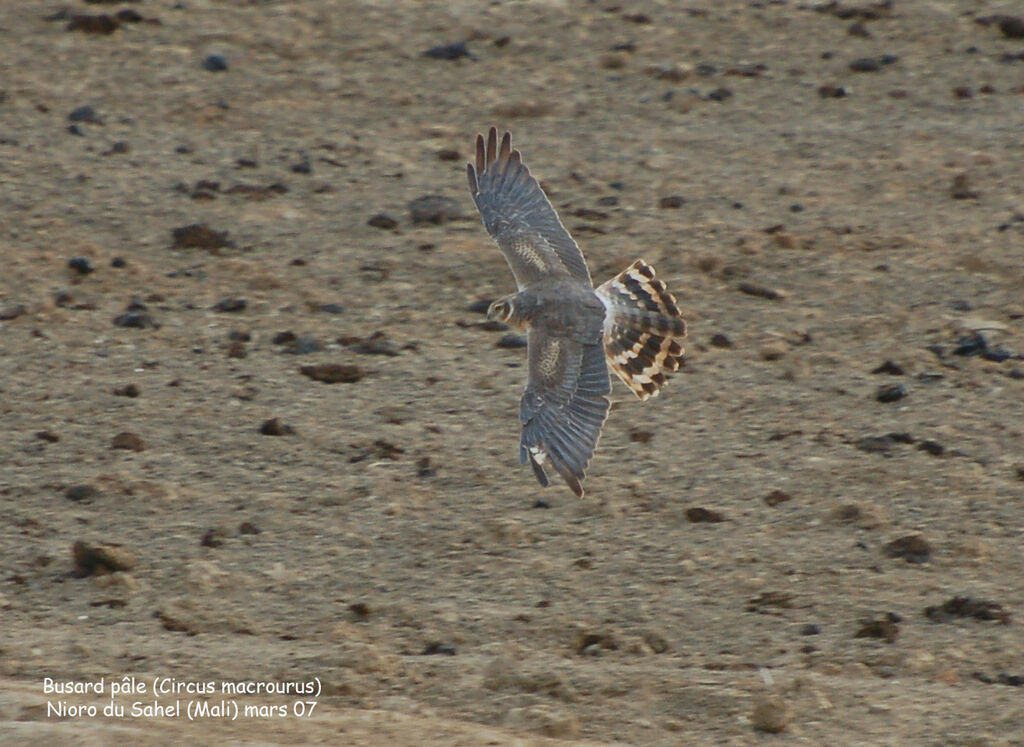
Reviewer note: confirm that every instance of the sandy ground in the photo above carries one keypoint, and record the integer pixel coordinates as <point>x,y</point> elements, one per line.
<point>731,568</point>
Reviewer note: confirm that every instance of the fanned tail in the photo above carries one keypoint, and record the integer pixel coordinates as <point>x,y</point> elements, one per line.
<point>642,328</point>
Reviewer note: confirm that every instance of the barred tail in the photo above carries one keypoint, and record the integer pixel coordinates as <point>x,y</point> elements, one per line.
<point>641,329</point>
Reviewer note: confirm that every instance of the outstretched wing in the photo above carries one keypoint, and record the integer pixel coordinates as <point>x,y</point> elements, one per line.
<point>564,406</point>
<point>519,216</point>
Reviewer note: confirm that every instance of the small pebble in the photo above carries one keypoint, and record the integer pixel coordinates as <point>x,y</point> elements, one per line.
<point>81,493</point>
<point>865,65</point>
<point>700,515</point>
<point>81,265</point>
<point>98,24</point>
<point>382,221</point>
<point>91,557</point>
<point>885,628</point>
<point>511,341</point>
<point>453,51</point>
<point>771,714</point>
<point>830,91</point>
<point>136,320</point>
<point>434,209</point>
<point>274,427</point>
<point>891,393</point>
<point>127,441</point>
<point>913,548</point>
<point>86,114</point>
<point>893,369</point>
<point>200,236</point>
<point>230,305</point>
<point>333,373</point>
<point>215,63</point>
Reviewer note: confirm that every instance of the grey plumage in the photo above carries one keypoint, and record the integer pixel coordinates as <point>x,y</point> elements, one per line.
<point>631,320</point>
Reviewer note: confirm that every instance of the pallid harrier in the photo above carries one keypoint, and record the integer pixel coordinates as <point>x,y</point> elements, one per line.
<point>632,320</point>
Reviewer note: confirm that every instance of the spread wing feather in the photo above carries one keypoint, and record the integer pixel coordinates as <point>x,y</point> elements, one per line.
<point>519,216</point>
<point>564,406</point>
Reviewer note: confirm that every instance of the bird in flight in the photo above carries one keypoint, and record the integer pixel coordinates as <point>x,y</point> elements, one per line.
<point>573,328</point>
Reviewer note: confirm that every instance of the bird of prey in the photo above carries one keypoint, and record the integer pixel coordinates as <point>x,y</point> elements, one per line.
<point>631,320</point>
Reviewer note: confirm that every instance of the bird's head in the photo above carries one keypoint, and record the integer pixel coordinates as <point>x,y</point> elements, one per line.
<point>500,310</point>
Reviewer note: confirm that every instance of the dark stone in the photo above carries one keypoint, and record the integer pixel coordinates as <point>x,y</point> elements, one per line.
<point>672,202</point>
<point>810,629</point>
<point>361,610</point>
<point>81,493</point>
<point>98,24</point>
<point>230,305</point>
<point>247,527</point>
<point>776,497</point>
<point>274,427</point>
<point>961,189</point>
<point>453,51</point>
<point>49,436</point>
<point>423,468</point>
<point>865,65</point>
<point>830,91</point>
<point>719,340</point>
<point>883,444</point>
<point>136,320</point>
<point>383,221</point>
<point>333,373</point>
<point>213,537</point>
<point>283,338</point>
<point>376,344</point>
<point>302,345</point>
<point>511,341</point>
<point>127,441</point>
<point>967,607</point>
<point>891,392</point>
<point>434,209</point>
<point>770,600</point>
<point>913,548</point>
<point>200,236</point>
<point>81,265</point>
<point>331,308</point>
<point>885,628</point>
<point>760,291</point>
<point>700,515</point>
<point>720,94</point>
<point>932,447</point>
<point>215,63</point>
<point>893,369</point>
<point>12,311</point>
<point>1012,27</point>
<point>127,15</point>
<point>96,557</point>
<point>86,114</point>
<point>129,390</point>
<point>436,648</point>
<point>640,436</point>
